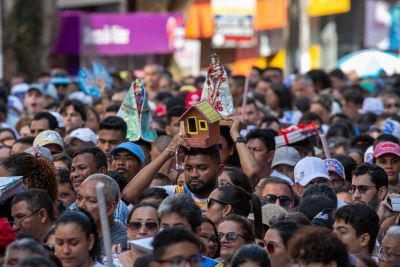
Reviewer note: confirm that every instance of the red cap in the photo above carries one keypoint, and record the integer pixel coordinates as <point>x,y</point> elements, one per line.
<point>7,234</point>
<point>193,98</point>
<point>386,148</point>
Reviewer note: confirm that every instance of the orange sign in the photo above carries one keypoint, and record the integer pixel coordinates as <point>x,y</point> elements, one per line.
<point>318,8</point>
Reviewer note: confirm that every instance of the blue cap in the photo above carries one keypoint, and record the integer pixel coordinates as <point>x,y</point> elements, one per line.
<point>60,80</point>
<point>131,147</point>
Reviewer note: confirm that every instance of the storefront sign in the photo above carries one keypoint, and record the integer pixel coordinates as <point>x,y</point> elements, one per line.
<point>233,23</point>
<point>119,34</point>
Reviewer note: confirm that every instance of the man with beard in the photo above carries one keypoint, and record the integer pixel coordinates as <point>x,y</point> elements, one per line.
<point>369,185</point>
<point>127,159</point>
<point>202,166</point>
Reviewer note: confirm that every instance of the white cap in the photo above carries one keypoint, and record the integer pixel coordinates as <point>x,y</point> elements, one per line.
<point>59,118</point>
<point>308,169</point>
<point>80,96</point>
<point>279,175</point>
<point>372,104</point>
<point>19,88</point>
<point>83,134</point>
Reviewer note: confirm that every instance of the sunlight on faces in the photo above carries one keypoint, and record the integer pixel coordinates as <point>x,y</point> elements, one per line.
<point>72,245</point>
<point>143,215</point>
<point>174,220</point>
<point>259,150</point>
<point>201,173</point>
<point>228,248</point>
<point>126,164</point>
<point>66,194</point>
<point>348,235</point>
<point>371,197</point>
<point>82,166</point>
<point>38,126</point>
<point>251,115</point>
<point>182,249</point>
<point>278,190</point>
<point>108,139</point>
<point>279,255</point>
<point>72,118</point>
<point>391,164</point>
<point>208,235</point>
<point>34,101</point>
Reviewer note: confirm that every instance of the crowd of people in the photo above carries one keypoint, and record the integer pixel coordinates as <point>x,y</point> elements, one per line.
<point>251,200</point>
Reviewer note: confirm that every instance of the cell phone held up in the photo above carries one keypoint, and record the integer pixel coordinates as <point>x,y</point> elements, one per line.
<point>394,201</point>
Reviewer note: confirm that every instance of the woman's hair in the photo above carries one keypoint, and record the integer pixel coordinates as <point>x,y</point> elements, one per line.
<point>284,96</point>
<point>251,253</point>
<point>286,229</point>
<point>317,244</point>
<point>243,203</point>
<point>238,178</point>
<point>339,129</point>
<point>77,105</point>
<point>244,224</point>
<point>87,224</point>
<point>206,220</point>
<point>49,234</point>
<point>141,205</point>
<point>36,172</point>
<point>23,121</point>
<point>10,131</point>
<point>324,101</point>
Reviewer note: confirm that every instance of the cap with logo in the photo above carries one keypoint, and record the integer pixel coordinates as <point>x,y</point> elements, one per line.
<point>308,169</point>
<point>324,218</point>
<point>384,148</point>
<point>40,152</point>
<point>335,166</point>
<point>130,147</point>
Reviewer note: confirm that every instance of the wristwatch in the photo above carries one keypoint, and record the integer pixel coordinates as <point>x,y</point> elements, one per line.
<point>240,139</point>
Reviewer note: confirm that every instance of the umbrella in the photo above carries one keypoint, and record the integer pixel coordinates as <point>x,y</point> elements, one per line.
<point>370,63</point>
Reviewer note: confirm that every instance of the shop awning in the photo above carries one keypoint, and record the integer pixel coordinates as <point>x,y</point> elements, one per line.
<point>270,14</point>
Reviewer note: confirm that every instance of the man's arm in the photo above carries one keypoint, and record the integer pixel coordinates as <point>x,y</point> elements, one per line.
<point>143,179</point>
<point>247,160</point>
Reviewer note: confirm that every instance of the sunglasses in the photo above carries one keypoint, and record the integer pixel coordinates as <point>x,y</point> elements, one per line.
<point>136,225</point>
<point>230,236</point>
<point>362,189</point>
<point>284,201</point>
<point>210,202</point>
<point>270,247</point>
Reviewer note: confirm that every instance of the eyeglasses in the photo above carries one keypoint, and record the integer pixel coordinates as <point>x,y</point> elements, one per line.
<point>136,225</point>
<point>179,261</point>
<point>384,255</point>
<point>21,220</point>
<point>270,247</point>
<point>362,189</point>
<point>230,236</point>
<point>284,201</point>
<point>261,243</point>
